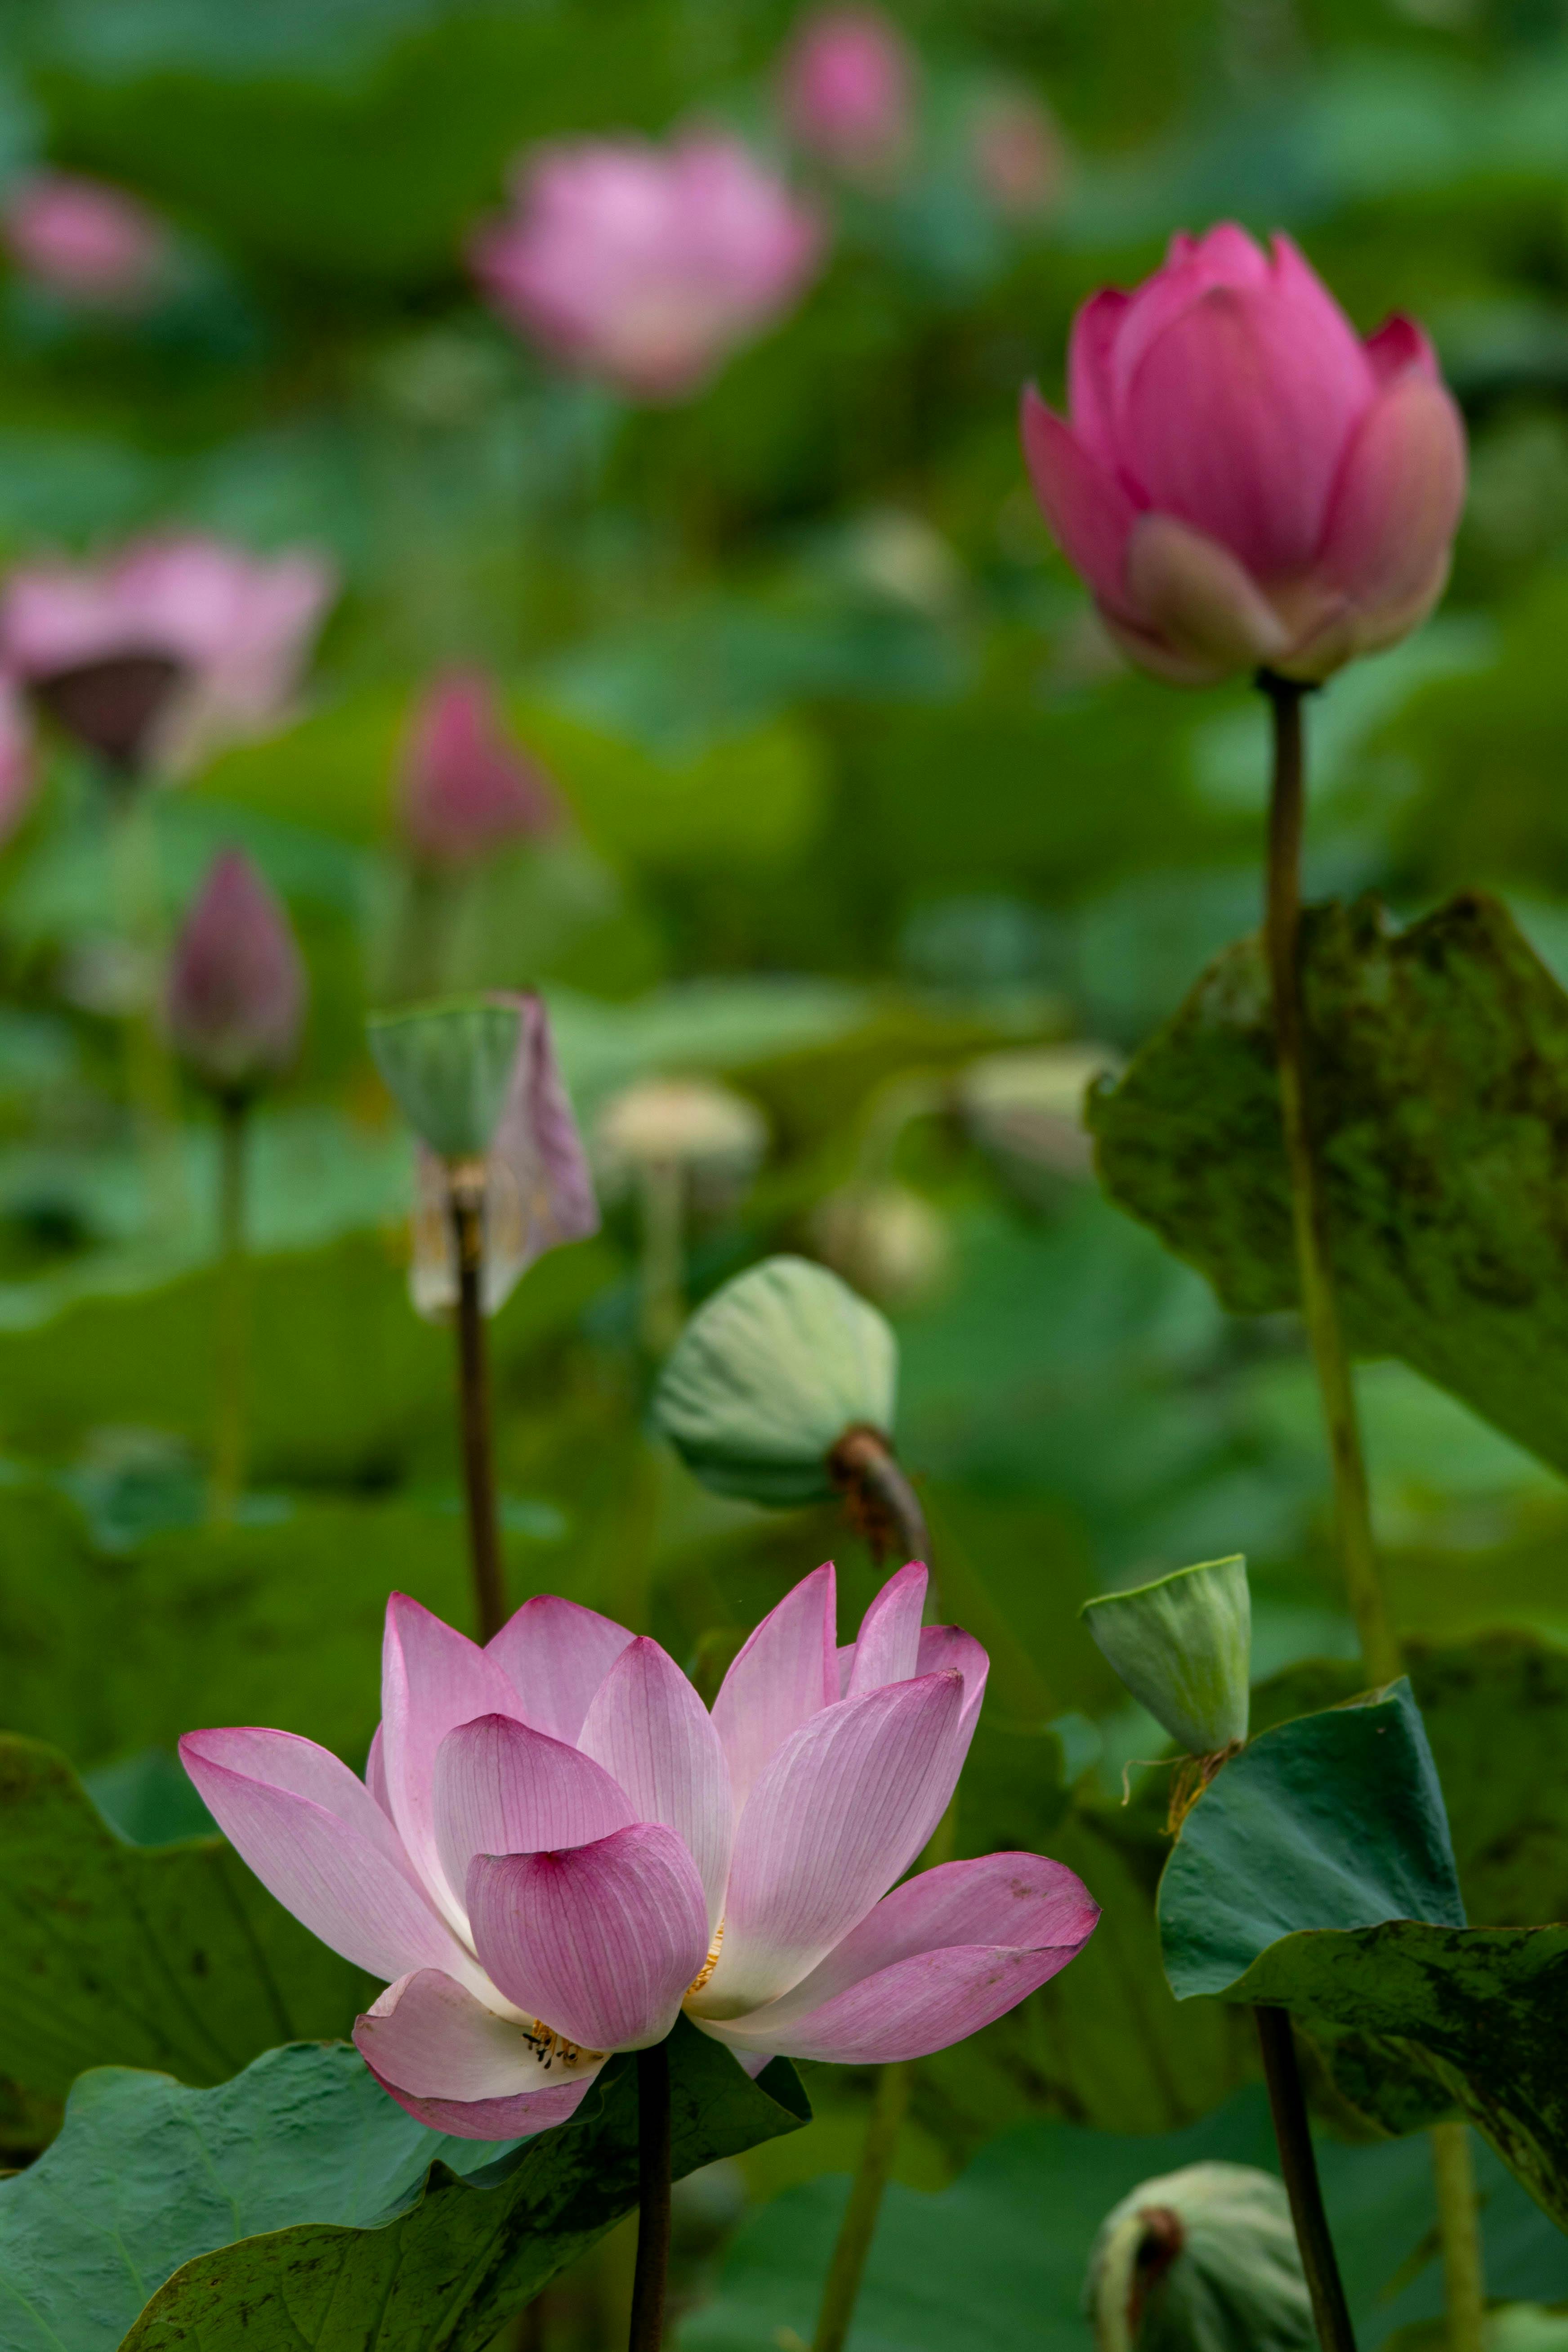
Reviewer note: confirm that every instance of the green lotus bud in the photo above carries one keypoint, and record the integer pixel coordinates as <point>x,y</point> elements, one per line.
<point>1183,1648</point>
<point>1203,2260</point>
<point>449,1066</point>
<point>769,1375</point>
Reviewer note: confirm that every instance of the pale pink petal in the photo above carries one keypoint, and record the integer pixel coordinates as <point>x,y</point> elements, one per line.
<point>1226,256</point>
<point>1398,502</point>
<point>599,1942</point>
<point>556,1654</point>
<point>835,1818</point>
<point>1399,346</point>
<point>519,2118</point>
<point>946,1647</point>
<point>430,2037</point>
<point>502,1788</point>
<point>845,1667</point>
<point>783,1674</point>
<point>432,1679</point>
<point>890,1642</point>
<point>1090,407</point>
<point>318,1841</point>
<point>376,1773</point>
<point>1198,597</point>
<point>1088,512</point>
<point>653,1735</point>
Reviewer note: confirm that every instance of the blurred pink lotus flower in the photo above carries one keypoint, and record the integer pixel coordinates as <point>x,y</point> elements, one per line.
<point>235,995</point>
<point>86,240</point>
<point>1018,154</point>
<point>1243,481</point>
<point>848,84</point>
<point>645,265</point>
<point>557,1849</point>
<point>18,764</point>
<point>467,790</point>
<point>538,1191</point>
<point>165,652</point>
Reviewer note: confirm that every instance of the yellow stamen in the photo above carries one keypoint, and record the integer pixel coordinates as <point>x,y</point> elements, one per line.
<point>548,2047</point>
<point>709,1965</point>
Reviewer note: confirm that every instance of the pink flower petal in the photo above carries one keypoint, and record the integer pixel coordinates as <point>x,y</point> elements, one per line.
<point>889,1642</point>
<point>1199,597</point>
<point>835,1818</point>
<point>653,1735</point>
<point>1088,512</point>
<point>432,1679</point>
<point>784,1673</point>
<point>945,1648</point>
<point>1396,508</point>
<point>1399,346</point>
<point>430,2036</point>
<point>317,1840</point>
<point>556,1654</point>
<point>599,1942</point>
<point>1226,256</point>
<point>1091,405</point>
<point>503,1787</point>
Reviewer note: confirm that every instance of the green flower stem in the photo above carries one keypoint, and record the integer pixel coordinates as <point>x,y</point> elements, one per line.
<point>231,1368</point>
<point>653,2199</point>
<point>858,2227</point>
<point>1298,2165</point>
<point>1464,2285</point>
<point>1352,1514</point>
<point>661,1276</point>
<point>466,1201</point>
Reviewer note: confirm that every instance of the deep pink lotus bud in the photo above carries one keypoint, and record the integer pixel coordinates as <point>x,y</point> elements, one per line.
<point>18,764</point>
<point>645,265</point>
<point>236,996</point>
<point>556,1849</point>
<point>168,650</point>
<point>847,87</point>
<point>467,789</point>
<point>1243,481</point>
<point>1018,154</point>
<point>86,241</point>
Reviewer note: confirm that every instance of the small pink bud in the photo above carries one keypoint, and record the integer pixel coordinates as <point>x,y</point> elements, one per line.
<point>87,241</point>
<point>847,88</point>
<point>237,988</point>
<point>467,790</point>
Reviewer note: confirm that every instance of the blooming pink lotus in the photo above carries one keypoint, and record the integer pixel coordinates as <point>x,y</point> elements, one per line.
<point>1244,481</point>
<point>236,986</point>
<point>168,649</point>
<point>85,241</point>
<point>558,1849</point>
<point>847,89</point>
<point>645,265</point>
<point>467,791</point>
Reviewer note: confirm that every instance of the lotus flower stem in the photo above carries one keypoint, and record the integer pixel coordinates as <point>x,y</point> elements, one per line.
<point>661,1274</point>
<point>1464,2284</point>
<point>882,1504</point>
<point>1352,1516</point>
<point>231,1365</point>
<point>858,2226</point>
<point>467,1208</point>
<point>653,2199</point>
<point>1298,2165</point>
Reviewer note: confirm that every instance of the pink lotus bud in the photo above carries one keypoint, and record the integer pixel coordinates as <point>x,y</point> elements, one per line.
<point>164,653</point>
<point>644,266</point>
<point>237,987</point>
<point>1019,157</point>
<point>467,790</point>
<point>847,88</point>
<point>1244,482</point>
<point>85,241</point>
<point>560,1848</point>
<point>18,767</point>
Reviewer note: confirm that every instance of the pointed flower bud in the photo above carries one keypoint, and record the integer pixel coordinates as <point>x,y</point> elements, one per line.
<point>467,790</point>
<point>449,1066</point>
<point>848,87</point>
<point>769,1375</point>
<point>236,996</point>
<point>1203,2260</point>
<point>1183,1648</point>
<point>86,241</point>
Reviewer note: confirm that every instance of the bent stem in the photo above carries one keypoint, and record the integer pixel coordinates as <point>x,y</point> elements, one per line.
<point>466,1203</point>
<point>653,2199</point>
<point>881,1504</point>
<point>1352,1516</point>
<point>1464,2285</point>
<point>1299,2166</point>
<point>858,2226</point>
<point>231,1365</point>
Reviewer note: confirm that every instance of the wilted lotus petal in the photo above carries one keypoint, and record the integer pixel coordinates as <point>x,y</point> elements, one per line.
<point>537,1192</point>
<point>235,995</point>
<point>1183,1648</point>
<point>769,1374</point>
<point>847,86</point>
<point>884,1238</point>
<point>467,790</point>
<point>1203,2260</point>
<point>85,241</point>
<point>560,1848</point>
<point>707,1132</point>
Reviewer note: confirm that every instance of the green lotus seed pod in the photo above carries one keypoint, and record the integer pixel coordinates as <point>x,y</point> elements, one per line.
<point>768,1376</point>
<point>1203,2260</point>
<point>1183,1648</point>
<point>449,1066</point>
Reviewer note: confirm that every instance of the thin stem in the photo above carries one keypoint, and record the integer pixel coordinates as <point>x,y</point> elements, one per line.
<point>662,1274</point>
<point>883,1505</point>
<point>468,1213</point>
<point>1298,2165</point>
<point>231,1366</point>
<point>653,2199</point>
<point>858,2226</point>
<point>1464,2284</point>
<point>1352,1514</point>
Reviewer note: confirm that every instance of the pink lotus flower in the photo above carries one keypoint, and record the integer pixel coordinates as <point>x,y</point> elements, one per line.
<point>169,649</point>
<point>467,791</point>
<point>237,987</point>
<point>538,1191</point>
<point>847,88</point>
<point>85,241</point>
<point>558,1849</point>
<point>1243,481</point>
<point>643,266</point>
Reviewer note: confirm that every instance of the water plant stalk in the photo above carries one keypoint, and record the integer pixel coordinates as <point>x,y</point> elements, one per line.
<point>466,1203</point>
<point>882,1505</point>
<point>231,1368</point>
<point>1459,2230</point>
<point>1298,2168</point>
<point>888,2105</point>
<point>649,2280</point>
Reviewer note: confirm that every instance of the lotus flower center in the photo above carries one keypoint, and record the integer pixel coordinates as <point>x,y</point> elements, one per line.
<point>553,2049</point>
<point>709,1965</point>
